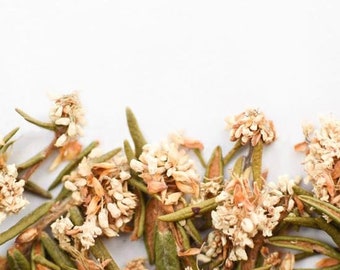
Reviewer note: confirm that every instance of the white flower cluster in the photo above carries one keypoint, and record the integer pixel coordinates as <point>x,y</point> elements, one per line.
<point>322,162</point>
<point>67,234</point>
<point>102,189</point>
<point>167,170</point>
<point>214,248</point>
<point>11,191</point>
<point>251,125</point>
<point>242,213</point>
<point>68,114</point>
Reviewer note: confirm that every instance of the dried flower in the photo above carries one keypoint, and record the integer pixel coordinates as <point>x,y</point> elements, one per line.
<point>67,113</point>
<point>322,162</point>
<point>251,125</point>
<point>102,190</point>
<point>69,235</point>
<point>244,212</point>
<point>60,229</point>
<point>167,170</point>
<point>136,264</point>
<point>214,249</point>
<point>11,191</point>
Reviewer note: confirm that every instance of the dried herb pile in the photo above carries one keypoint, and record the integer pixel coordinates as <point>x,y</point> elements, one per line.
<point>232,217</point>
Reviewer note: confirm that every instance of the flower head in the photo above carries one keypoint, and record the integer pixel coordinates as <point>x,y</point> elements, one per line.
<point>102,190</point>
<point>322,161</point>
<point>77,240</point>
<point>67,113</point>
<point>243,212</point>
<point>251,125</point>
<point>167,170</point>
<point>11,191</point>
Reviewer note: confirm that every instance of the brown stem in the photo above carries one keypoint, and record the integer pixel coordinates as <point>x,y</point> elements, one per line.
<point>253,253</point>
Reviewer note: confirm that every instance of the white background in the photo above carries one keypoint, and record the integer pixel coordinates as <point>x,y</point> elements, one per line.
<point>179,65</point>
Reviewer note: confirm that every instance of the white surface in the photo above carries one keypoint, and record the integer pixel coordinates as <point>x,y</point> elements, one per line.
<point>180,65</point>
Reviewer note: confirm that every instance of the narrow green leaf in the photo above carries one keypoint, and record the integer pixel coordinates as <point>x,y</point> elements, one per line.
<point>331,230</point>
<point>107,155</point>
<point>323,207</point>
<point>238,166</point>
<point>43,261</point>
<point>135,132</point>
<point>304,244</point>
<point>139,216</point>
<point>36,122</point>
<point>36,189</point>
<point>199,155</point>
<point>16,260</point>
<point>188,260</point>
<point>25,222</point>
<point>237,146</point>
<point>6,139</point>
<point>32,161</point>
<point>10,134</point>
<point>128,151</point>
<point>257,164</point>
<point>165,251</point>
<point>57,255</point>
<point>100,252</point>
<point>190,211</point>
<point>302,221</point>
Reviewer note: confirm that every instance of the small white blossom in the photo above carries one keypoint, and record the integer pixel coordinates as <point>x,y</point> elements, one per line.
<point>322,161</point>
<point>11,191</point>
<point>60,228</point>
<point>88,232</point>
<point>102,189</point>
<point>251,125</point>
<point>166,168</point>
<point>68,114</point>
<point>242,213</point>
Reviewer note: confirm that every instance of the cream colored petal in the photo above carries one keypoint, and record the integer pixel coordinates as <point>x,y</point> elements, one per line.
<point>63,121</point>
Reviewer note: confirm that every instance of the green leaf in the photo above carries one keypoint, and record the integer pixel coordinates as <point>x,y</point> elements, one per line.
<point>135,132</point>
<point>166,251</point>
<point>323,207</point>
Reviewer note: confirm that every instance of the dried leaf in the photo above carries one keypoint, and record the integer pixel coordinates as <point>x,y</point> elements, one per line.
<point>165,249</point>
<point>152,210</point>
